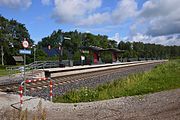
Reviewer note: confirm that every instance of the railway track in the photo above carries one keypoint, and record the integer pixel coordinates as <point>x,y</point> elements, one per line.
<point>73,78</point>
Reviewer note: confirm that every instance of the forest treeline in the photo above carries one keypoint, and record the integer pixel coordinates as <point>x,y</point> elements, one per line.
<point>12,33</point>
<point>132,49</point>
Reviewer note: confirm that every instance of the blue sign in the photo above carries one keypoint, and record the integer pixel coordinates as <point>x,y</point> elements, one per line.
<point>28,52</point>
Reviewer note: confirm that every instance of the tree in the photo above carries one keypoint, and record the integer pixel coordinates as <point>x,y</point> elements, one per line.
<point>12,33</point>
<point>77,40</point>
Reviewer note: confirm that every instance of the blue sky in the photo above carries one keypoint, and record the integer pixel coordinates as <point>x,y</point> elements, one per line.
<point>150,21</point>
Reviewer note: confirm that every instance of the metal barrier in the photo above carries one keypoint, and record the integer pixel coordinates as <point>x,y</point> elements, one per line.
<point>18,71</point>
<point>35,80</point>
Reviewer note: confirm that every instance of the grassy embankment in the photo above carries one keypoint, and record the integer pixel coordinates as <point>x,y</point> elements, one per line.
<point>163,77</point>
<point>3,71</point>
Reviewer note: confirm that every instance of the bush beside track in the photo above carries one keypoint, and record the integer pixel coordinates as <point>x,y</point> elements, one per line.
<point>163,77</point>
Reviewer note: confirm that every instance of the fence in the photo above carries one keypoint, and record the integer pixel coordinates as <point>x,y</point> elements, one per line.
<point>34,81</point>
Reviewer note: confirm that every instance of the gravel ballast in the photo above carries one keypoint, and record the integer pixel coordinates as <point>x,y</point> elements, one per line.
<point>94,81</point>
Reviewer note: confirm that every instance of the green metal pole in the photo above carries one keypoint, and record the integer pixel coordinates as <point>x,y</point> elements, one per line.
<point>24,74</point>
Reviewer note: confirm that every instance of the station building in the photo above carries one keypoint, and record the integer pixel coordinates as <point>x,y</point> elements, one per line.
<point>95,54</point>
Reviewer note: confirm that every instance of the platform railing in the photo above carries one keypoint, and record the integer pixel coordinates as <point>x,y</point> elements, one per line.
<point>30,69</point>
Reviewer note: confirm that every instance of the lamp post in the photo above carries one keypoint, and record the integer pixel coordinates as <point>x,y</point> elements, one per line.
<point>69,51</point>
<point>60,53</point>
<point>2,55</point>
<point>34,50</point>
<point>2,51</point>
<point>61,41</point>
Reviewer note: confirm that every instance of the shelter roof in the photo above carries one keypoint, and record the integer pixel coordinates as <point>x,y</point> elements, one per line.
<point>93,48</point>
<point>18,58</point>
<point>115,50</point>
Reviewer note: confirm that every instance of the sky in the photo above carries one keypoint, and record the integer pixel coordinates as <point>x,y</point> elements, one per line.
<point>148,21</point>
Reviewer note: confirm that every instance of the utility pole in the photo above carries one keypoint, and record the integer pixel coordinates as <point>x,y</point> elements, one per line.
<point>2,55</point>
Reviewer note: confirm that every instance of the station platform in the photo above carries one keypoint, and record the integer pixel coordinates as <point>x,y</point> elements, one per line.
<point>57,72</point>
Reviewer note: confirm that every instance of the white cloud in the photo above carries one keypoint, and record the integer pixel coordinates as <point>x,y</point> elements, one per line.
<point>16,4</point>
<point>84,12</point>
<point>162,17</point>
<point>167,40</point>
<point>71,11</point>
<point>138,37</point>
<point>156,8</point>
<point>124,10</point>
<point>158,21</point>
<point>95,19</point>
<point>116,37</point>
<point>164,40</point>
<point>45,2</point>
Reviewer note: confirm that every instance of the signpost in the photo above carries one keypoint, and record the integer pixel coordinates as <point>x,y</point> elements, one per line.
<point>25,52</point>
<point>25,44</point>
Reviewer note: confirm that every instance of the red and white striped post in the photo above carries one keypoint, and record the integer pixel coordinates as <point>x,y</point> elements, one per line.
<point>21,95</point>
<point>50,90</point>
<point>35,80</point>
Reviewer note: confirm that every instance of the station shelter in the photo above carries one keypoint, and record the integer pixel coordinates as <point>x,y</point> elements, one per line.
<point>94,53</point>
<point>115,53</point>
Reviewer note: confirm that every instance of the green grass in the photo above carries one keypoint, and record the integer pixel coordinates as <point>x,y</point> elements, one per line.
<point>163,77</point>
<point>3,72</point>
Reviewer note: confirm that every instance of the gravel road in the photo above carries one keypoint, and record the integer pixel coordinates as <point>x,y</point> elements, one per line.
<point>158,106</point>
